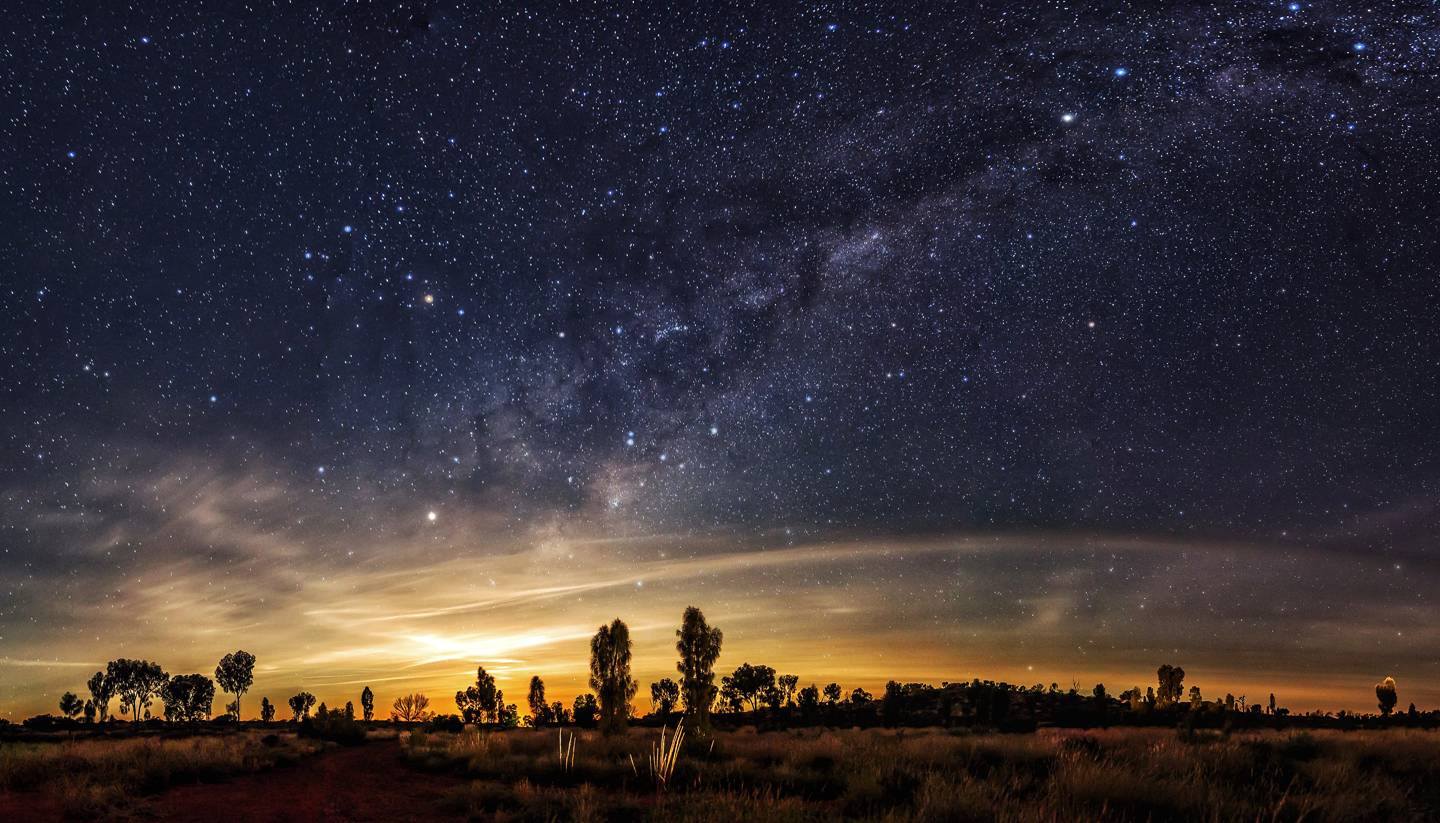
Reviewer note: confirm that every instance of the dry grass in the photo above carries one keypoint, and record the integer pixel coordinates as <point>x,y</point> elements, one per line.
<point>934,775</point>
<point>101,777</point>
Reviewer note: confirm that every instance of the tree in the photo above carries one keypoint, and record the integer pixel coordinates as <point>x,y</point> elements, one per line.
<point>410,708</point>
<point>90,711</point>
<point>301,704</point>
<point>664,695</point>
<point>1272,703</point>
<point>699,648</point>
<point>349,710</point>
<point>809,700</point>
<point>539,709</point>
<point>1195,699</point>
<point>188,697</point>
<point>610,675</point>
<point>751,683</point>
<point>70,705</point>
<point>1384,692</point>
<point>585,709</point>
<point>481,702</point>
<point>267,710</point>
<point>860,697</point>
<point>235,674</point>
<point>102,688</point>
<point>367,703</point>
<point>137,682</point>
<point>1171,685</point>
<point>1099,693</point>
<point>832,693</point>
<point>787,684</point>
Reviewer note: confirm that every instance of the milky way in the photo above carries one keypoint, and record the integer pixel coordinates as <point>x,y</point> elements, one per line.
<point>1037,343</point>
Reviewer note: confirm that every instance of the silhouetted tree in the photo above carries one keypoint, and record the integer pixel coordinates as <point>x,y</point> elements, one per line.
<point>367,703</point>
<point>188,697</point>
<point>102,688</point>
<point>787,683</point>
<point>860,697</point>
<point>751,683</point>
<point>90,711</point>
<point>1272,703</point>
<point>558,715</point>
<point>585,709</point>
<point>267,710</point>
<point>699,648</point>
<point>1385,693</point>
<point>235,674</point>
<point>610,675</point>
<point>664,695</point>
<point>481,702</point>
<point>809,700</point>
<point>539,709</point>
<point>137,682</point>
<point>1099,693</point>
<point>1171,685</point>
<point>301,704</point>
<point>322,711</point>
<point>411,708</point>
<point>349,710</point>
<point>832,693</point>
<point>70,705</point>
<point>1195,699</point>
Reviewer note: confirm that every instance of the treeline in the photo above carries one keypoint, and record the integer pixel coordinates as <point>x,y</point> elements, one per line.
<point>750,694</point>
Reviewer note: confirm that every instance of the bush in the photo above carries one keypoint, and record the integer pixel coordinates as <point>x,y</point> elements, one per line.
<point>445,723</point>
<point>334,726</point>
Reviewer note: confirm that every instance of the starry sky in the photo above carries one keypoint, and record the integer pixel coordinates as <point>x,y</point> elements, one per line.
<point>1038,341</point>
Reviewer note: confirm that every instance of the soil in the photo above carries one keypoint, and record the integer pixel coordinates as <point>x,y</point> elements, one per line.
<point>361,783</point>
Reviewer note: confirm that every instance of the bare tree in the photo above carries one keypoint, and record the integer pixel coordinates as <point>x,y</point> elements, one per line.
<point>411,708</point>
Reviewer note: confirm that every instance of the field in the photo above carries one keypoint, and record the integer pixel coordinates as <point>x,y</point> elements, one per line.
<point>811,774</point>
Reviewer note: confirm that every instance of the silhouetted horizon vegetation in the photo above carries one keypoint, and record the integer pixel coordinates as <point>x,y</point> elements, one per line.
<point>750,694</point>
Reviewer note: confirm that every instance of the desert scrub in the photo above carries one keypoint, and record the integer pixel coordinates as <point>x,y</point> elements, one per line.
<point>97,777</point>
<point>938,775</point>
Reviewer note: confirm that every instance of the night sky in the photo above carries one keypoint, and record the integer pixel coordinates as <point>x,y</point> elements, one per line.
<point>1032,341</point>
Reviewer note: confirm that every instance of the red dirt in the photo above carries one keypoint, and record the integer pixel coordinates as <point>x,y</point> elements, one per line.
<point>362,783</point>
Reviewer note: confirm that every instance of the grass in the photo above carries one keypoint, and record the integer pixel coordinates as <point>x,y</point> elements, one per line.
<point>102,777</point>
<point>925,775</point>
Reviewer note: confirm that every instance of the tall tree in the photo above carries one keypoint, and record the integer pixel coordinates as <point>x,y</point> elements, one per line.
<point>235,674</point>
<point>539,709</point>
<point>137,682</point>
<point>188,697</point>
<point>367,703</point>
<point>1385,694</point>
<point>832,693</point>
<point>787,684</point>
<point>610,675</point>
<point>267,710</point>
<point>301,704</point>
<point>699,648</point>
<point>664,695</point>
<point>1170,686</point>
<point>101,688</point>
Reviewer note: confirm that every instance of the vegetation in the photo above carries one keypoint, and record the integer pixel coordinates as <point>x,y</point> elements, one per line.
<point>411,708</point>
<point>235,674</point>
<point>610,675</point>
<point>188,697</point>
<point>699,647</point>
<point>932,774</point>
